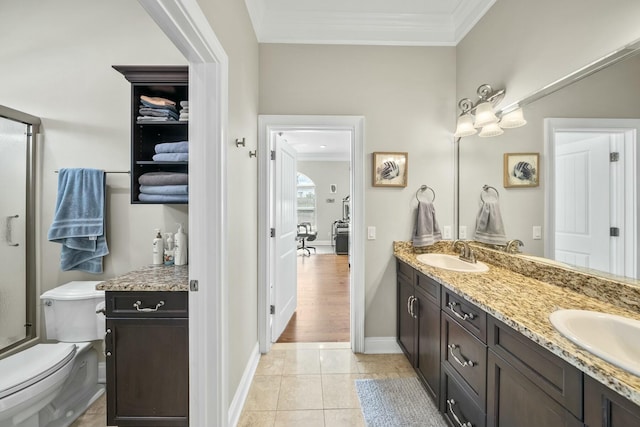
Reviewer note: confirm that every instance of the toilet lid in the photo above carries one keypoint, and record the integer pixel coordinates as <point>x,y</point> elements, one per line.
<point>71,291</point>
<point>32,365</point>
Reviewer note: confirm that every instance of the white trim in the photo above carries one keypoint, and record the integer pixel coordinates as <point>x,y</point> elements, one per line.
<point>381,345</point>
<point>364,28</point>
<point>235,409</point>
<point>186,26</point>
<point>629,130</point>
<point>268,124</point>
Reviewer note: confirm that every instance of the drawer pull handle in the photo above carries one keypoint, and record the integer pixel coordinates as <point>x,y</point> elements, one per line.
<point>452,402</point>
<point>453,347</point>
<point>463,316</point>
<point>147,310</point>
<point>409,301</point>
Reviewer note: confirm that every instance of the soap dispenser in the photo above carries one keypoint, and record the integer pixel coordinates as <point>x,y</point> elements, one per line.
<point>181,247</point>
<point>168,249</point>
<point>158,248</point>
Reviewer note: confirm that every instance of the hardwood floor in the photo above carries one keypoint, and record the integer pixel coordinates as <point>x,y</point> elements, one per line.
<point>323,300</point>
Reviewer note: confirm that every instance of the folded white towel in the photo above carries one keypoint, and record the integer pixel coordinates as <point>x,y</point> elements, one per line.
<point>489,224</point>
<point>426,231</point>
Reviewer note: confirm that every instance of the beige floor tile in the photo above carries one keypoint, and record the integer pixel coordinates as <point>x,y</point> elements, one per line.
<point>310,345</point>
<point>99,406</point>
<point>338,361</point>
<point>302,361</point>
<point>271,363</point>
<point>339,391</point>
<point>90,420</point>
<point>300,418</point>
<point>382,363</point>
<point>263,394</point>
<point>257,419</point>
<point>300,392</point>
<point>343,418</point>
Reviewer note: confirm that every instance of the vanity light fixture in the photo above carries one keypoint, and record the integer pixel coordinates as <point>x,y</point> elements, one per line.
<point>481,114</point>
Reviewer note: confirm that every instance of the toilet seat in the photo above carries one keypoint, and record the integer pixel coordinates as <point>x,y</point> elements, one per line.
<point>32,365</point>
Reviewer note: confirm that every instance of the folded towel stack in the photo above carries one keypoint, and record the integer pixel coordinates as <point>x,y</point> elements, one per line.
<point>184,111</point>
<point>172,152</point>
<point>156,109</point>
<point>164,187</point>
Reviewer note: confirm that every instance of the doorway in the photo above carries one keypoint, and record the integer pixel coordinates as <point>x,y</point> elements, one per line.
<point>323,188</point>
<point>592,193</point>
<point>268,286</point>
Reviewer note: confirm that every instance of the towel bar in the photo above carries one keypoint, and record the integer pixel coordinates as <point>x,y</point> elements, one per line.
<point>127,172</point>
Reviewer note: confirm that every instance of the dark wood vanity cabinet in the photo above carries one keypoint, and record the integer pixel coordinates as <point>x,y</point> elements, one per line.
<point>605,408</point>
<point>147,358</point>
<point>418,330</point>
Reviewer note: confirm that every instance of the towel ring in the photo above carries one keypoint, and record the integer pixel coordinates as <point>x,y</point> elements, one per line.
<point>486,188</point>
<point>423,188</point>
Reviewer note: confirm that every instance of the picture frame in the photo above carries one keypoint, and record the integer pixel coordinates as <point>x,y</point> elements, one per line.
<point>521,170</point>
<point>390,169</point>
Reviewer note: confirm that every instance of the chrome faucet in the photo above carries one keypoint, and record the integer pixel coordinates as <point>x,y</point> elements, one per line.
<point>466,253</point>
<point>513,246</point>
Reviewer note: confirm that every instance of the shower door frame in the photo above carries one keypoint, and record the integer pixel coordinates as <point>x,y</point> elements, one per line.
<point>33,129</point>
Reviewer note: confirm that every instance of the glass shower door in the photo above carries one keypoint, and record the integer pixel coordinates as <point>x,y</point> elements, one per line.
<point>14,170</point>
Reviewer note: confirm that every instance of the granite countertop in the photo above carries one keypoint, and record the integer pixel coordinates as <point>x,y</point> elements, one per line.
<point>151,278</point>
<point>525,304</point>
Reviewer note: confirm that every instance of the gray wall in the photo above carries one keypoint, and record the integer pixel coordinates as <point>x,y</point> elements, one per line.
<point>407,96</point>
<point>323,174</point>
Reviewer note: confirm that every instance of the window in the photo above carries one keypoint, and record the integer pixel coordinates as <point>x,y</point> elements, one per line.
<point>306,189</point>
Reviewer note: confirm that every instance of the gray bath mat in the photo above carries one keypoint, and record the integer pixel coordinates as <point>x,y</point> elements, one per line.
<point>399,402</point>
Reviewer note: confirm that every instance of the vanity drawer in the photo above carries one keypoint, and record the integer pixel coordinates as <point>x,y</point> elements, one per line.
<point>557,378</point>
<point>147,304</point>
<point>406,271</point>
<point>430,287</point>
<point>457,405</point>
<point>466,355</point>
<point>468,315</point>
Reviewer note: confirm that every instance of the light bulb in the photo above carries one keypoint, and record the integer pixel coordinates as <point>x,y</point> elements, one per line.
<point>465,126</point>
<point>485,115</point>
<point>514,119</point>
<point>491,129</point>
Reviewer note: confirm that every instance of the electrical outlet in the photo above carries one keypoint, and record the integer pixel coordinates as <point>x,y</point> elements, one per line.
<point>446,232</point>
<point>462,232</point>
<point>371,232</point>
<point>537,232</point>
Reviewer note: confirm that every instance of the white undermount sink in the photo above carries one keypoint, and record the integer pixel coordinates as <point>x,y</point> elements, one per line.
<point>615,339</point>
<point>452,262</point>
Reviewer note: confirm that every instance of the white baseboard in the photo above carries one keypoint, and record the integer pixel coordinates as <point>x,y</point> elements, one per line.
<point>102,372</point>
<point>235,408</point>
<point>320,243</point>
<point>381,345</point>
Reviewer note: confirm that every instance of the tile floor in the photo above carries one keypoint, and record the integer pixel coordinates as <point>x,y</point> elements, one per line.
<point>302,384</point>
<point>313,384</point>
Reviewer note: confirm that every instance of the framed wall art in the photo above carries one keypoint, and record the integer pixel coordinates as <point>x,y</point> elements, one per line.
<point>521,170</point>
<point>390,169</point>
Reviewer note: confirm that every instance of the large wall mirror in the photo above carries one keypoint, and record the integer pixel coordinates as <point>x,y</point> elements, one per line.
<point>586,194</point>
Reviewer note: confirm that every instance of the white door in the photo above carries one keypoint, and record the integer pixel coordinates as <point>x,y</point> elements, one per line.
<point>583,181</point>
<point>285,294</point>
<point>13,280</point>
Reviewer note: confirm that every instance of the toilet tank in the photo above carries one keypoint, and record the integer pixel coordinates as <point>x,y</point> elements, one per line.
<point>70,312</point>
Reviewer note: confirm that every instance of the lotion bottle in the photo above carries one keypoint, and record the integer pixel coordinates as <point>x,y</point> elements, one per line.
<point>168,249</point>
<point>180,253</point>
<point>158,248</point>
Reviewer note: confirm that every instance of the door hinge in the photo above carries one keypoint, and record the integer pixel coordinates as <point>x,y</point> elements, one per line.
<point>273,232</point>
<point>273,155</point>
<point>272,309</point>
<point>614,231</point>
<point>614,157</point>
<point>193,285</point>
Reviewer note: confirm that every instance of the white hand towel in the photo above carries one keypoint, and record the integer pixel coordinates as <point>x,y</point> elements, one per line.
<point>489,224</point>
<point>426,231</point>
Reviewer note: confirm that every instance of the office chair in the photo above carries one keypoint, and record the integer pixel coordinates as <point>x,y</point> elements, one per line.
<point>306,235</point>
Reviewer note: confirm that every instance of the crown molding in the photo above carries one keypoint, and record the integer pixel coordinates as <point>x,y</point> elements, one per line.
<point>366,28</point>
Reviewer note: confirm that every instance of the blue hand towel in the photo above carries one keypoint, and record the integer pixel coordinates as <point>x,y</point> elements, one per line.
<point>164,189</point>
<point>78,222</point>
<point>172,147</point>
<point>163,198</point>
<point>171,157</point>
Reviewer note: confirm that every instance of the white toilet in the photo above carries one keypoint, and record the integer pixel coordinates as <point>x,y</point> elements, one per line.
<point>50,385</point>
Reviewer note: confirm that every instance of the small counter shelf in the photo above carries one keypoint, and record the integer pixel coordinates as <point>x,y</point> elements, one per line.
<point>170,82</point>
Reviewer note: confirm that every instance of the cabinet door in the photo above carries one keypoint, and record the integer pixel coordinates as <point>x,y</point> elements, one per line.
<point>147,372</point>
<point>406,322</point>
<point>514,401</point>
<point>606,408</point>
<point>428,354</point>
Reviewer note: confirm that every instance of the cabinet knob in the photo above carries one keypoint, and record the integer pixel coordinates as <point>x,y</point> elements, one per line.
<point>108,353</point>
